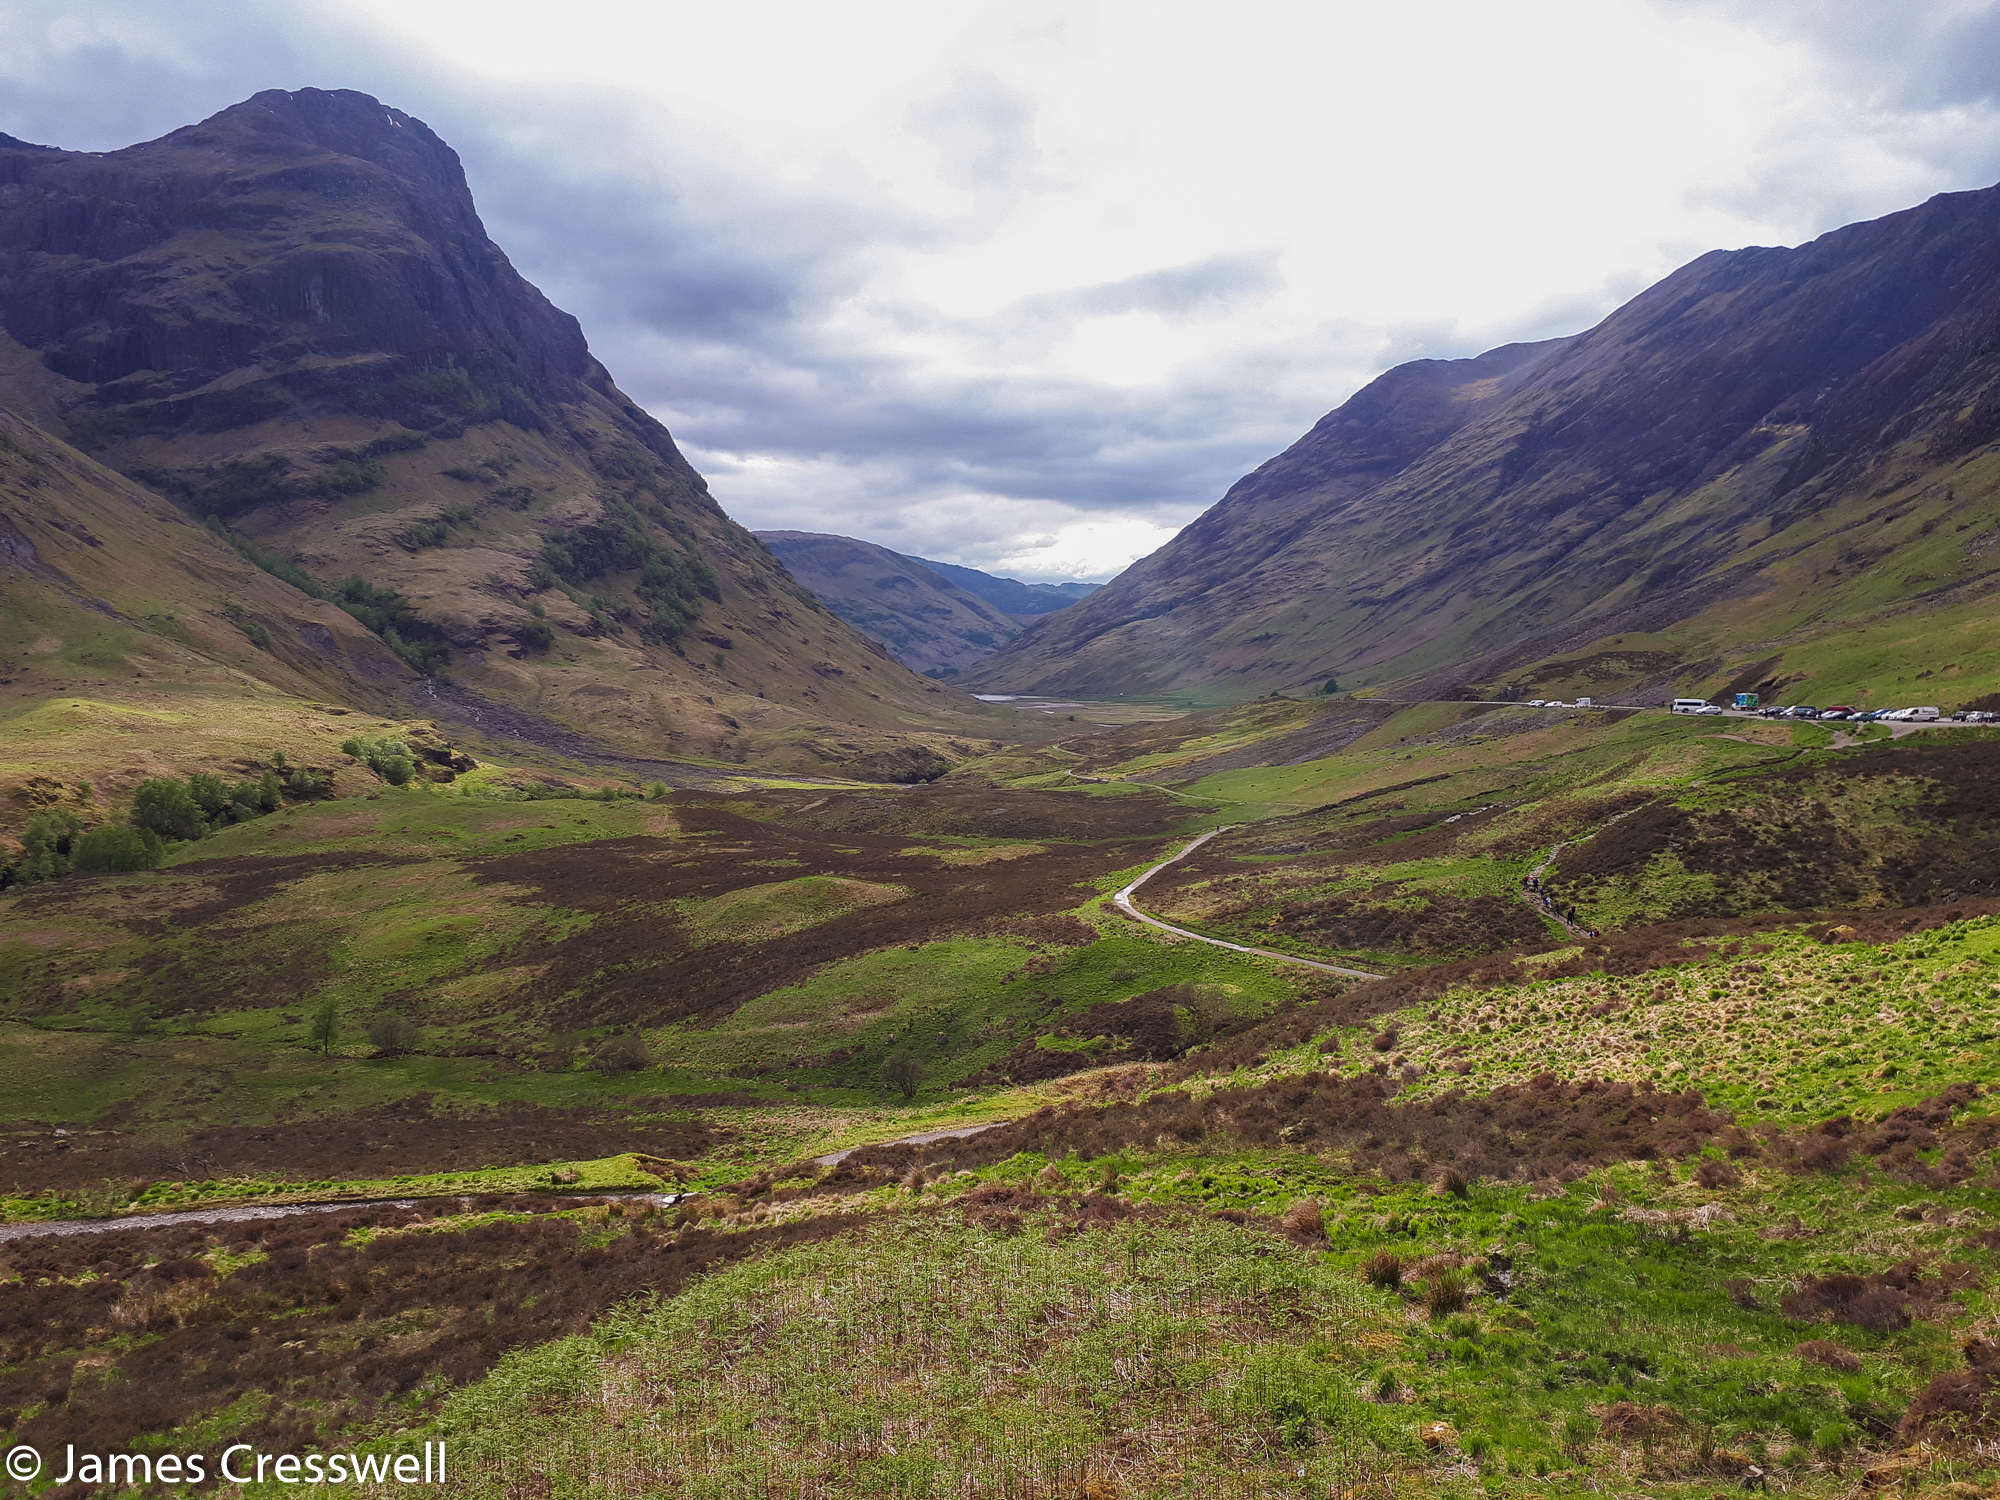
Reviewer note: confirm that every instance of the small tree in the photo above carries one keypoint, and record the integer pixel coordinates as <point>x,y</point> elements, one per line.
<point>210,795</point>
<point>904,1073</point>
<point>168,809</point>
<point>117,847</point>
<point>1332,686</point>
<point>392,1035</point>
<point>323,1030</point>
<point>47,845</point>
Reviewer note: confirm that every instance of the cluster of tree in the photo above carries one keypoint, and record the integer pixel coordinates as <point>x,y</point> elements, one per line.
<point>419,643</point>
<point>671,583</point>
<point>389,759</point>
<point>56,843</point>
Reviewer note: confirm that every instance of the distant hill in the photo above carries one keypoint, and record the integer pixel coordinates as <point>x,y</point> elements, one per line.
<point>928,622</point>
<point>289,318</point>
<point>1775,468</point>
<point>1010,595</point>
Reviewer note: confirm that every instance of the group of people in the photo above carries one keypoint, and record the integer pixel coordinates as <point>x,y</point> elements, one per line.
<point>1532,885</point>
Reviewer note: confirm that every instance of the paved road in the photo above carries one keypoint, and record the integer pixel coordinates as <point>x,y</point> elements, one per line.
<point>1123,901</point>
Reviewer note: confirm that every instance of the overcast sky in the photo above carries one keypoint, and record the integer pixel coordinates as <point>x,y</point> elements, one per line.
<point>1026,286</point>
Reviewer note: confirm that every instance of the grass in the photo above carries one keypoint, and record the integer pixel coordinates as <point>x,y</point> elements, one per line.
<point>939,1355</point>
<point>1033,1346</point>
<point>1785,1028</point>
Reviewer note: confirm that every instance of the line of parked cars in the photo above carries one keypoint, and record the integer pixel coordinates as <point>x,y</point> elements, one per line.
<point>1845,711</point>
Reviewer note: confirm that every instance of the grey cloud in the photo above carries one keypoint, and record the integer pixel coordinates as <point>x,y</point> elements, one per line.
<point>983,131</point>
<point>710,294</point>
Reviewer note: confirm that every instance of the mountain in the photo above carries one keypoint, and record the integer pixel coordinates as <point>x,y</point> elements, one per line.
<point>928,622</point>
<point>289,319</point>
<point>1010,595</point>
<point>1752,474</point>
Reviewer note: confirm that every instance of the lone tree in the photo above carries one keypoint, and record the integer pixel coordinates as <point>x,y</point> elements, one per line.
<point>903,1073</point>
<point>323,1030</point>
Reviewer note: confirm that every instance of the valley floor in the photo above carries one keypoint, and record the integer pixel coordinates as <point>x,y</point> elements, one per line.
<point>1704,1199</point>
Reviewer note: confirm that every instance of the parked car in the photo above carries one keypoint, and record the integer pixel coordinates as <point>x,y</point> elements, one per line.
<point>1922,715</point>
<point>1803,711</point>
<point>1845,710</point>
<point>1708,708</point>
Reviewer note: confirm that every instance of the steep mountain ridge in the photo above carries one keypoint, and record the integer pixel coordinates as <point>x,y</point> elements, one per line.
<point>927,622</point>
<point>289,317</point>
<point>1010,595</point>
<point>1707,466</point>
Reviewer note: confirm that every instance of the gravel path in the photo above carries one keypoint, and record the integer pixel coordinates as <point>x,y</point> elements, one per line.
<point>832,1158</point>
<point>1123,901</point>
<point>242,1215</point>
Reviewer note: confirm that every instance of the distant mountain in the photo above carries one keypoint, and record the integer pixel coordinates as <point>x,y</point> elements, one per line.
<point>289,318</point>
<point>927,621</point>
<point>1010,595</point>
<point>1767,454</point>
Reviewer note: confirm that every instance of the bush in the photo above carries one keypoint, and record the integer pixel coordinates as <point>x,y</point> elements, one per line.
<point>1446,1292</point>
<point>1384,1270</point>
<point>535,635</point>
<point>904,1073</point>
<point>118,847</point>
<point>389,759</point>
<point>47,845</point>
<point>210,795</point>
<point>168,809</point>
<point>392,1035</point>
<point>621,1054</point>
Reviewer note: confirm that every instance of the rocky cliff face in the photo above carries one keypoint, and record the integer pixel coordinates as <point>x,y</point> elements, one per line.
<point>1748,438</point>
<point>290,318</point>
<point>928,623</point>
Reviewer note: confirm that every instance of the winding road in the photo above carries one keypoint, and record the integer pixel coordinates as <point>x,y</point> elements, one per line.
<point>1123,901</point>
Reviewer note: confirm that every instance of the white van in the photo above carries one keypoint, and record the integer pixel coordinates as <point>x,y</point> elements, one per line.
<point>1687,705</point>
<point>1921,715</point>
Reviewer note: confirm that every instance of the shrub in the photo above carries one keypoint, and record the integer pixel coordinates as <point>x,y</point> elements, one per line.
<point>535,635</point>
<point>168,809</point>
<point>47,845</point>
<point>389,759</point>
<point>307,784</point>
<point>209,794</point>
<point>621,1054</point>
<point>1306,1219</point>
<point>116,846</point>
<point>1448,1182</point>
<point>1446,1292</point>
<point>392,1035</point>
<point>1383,1269</point>
<point>904,1073</point>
